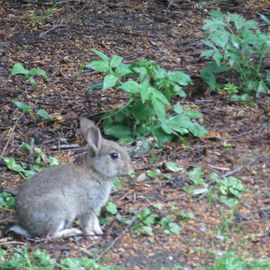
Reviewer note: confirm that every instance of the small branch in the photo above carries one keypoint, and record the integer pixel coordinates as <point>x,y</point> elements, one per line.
<point>10,137</point>
<point>64,146</point>
<point>232,172</point>
<point>61,23</point>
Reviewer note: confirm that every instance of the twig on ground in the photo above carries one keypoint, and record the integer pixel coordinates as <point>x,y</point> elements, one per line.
<point>11,136</point>
<point>61,23</point>
<point>64,146</point>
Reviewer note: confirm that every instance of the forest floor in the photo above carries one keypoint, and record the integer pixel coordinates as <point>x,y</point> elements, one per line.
<point>237,143</point>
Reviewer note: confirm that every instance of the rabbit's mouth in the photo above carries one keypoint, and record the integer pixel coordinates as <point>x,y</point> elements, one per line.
<point>127,169</point>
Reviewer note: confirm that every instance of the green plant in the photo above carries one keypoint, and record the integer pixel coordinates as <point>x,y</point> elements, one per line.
<point>231,89</point>
<point>146,219</point>
<point>18,69</point>
<point>227,190</point>
<point>40,162</point>
<point>230,261</point>
<point>169,225</point>
<point>26,108</point>
<point>237,46</point>
<point>199,186</point>
<point>148,110</point>
<point>23,258</point>
<point>6,200</point>
<point>187,215</point>
<point>36,18</point>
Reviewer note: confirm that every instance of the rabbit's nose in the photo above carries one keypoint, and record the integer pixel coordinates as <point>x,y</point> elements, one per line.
<point>127,168</point>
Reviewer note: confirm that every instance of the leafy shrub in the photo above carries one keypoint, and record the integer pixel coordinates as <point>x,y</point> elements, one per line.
<point>226,190</point>
<point>18,69</point>
<point>25,259</point>
<point>147,218</point>
<point>6,200</point>
<point>148,110</point>
<point>27,108</point>
<point>236,45</point>
<point>41,161</point>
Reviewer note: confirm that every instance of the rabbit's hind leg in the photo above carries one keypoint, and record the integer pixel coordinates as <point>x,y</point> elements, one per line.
<point>60,231</point>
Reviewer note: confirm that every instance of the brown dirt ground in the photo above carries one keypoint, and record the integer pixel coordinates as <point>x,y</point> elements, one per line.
<point>171,36</point>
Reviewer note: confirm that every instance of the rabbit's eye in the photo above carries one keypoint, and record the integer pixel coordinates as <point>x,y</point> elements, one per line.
<point>114,155</point>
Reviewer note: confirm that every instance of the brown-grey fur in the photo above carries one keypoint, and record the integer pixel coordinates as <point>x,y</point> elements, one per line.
<point>48,204</point>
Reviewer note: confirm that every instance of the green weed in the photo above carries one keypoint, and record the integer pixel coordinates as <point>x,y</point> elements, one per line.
<point>40,162</point>
<point>23,258</point>
<point>6,200</point>
<point>226,190</point>
<point>36,18</point>
<point>237,46</point>
<point>27,108</point>
<point>18,69</point>
<point>148,110</point>
<point>230,261</point>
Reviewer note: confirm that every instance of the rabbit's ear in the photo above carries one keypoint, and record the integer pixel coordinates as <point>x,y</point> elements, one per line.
<point>94,139</point>
<point>85,124</point>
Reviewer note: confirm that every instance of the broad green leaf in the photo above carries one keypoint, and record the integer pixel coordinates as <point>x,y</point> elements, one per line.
<point>131,87</point>
<point>196,129</point>
<point>24,107</point>
<point>111,208</point>
<point>101,55</point>
<point>220,38</point>
<point>122,70</point>
<point>116,61</point>
<point>13,165</point>
<point>38,72</point>
<point>162,136</point>
<point>52,161</point>
<point>110,81</point>
<point>19,69</point>
<point>32,81</point>
<point>178,108</point>
<point>170,165</point>
<point>159,108</point>
<point>157,95</point>
<point>26,146</point>
<point>142,112</point>
<point>174,227</point>
<point>199,191</point>
<point>262,88</point>
<point>42,113</point>
<point>218,57</point>
<point>98,65</point>
<point>179,77</point>
<point>144,91</point>
<point>209,78</point>
<point>118,131</point>
<point>196,175</point>
<point>148,230</point>
<point>192,114</point>
<point>208,53</point>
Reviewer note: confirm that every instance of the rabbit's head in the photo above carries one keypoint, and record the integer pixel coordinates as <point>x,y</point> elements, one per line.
<point>104,156</point>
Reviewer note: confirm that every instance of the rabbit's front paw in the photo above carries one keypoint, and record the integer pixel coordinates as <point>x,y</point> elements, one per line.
<point>93,229</point>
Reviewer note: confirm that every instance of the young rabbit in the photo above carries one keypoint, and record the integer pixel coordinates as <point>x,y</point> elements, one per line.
<point>49,203</point>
